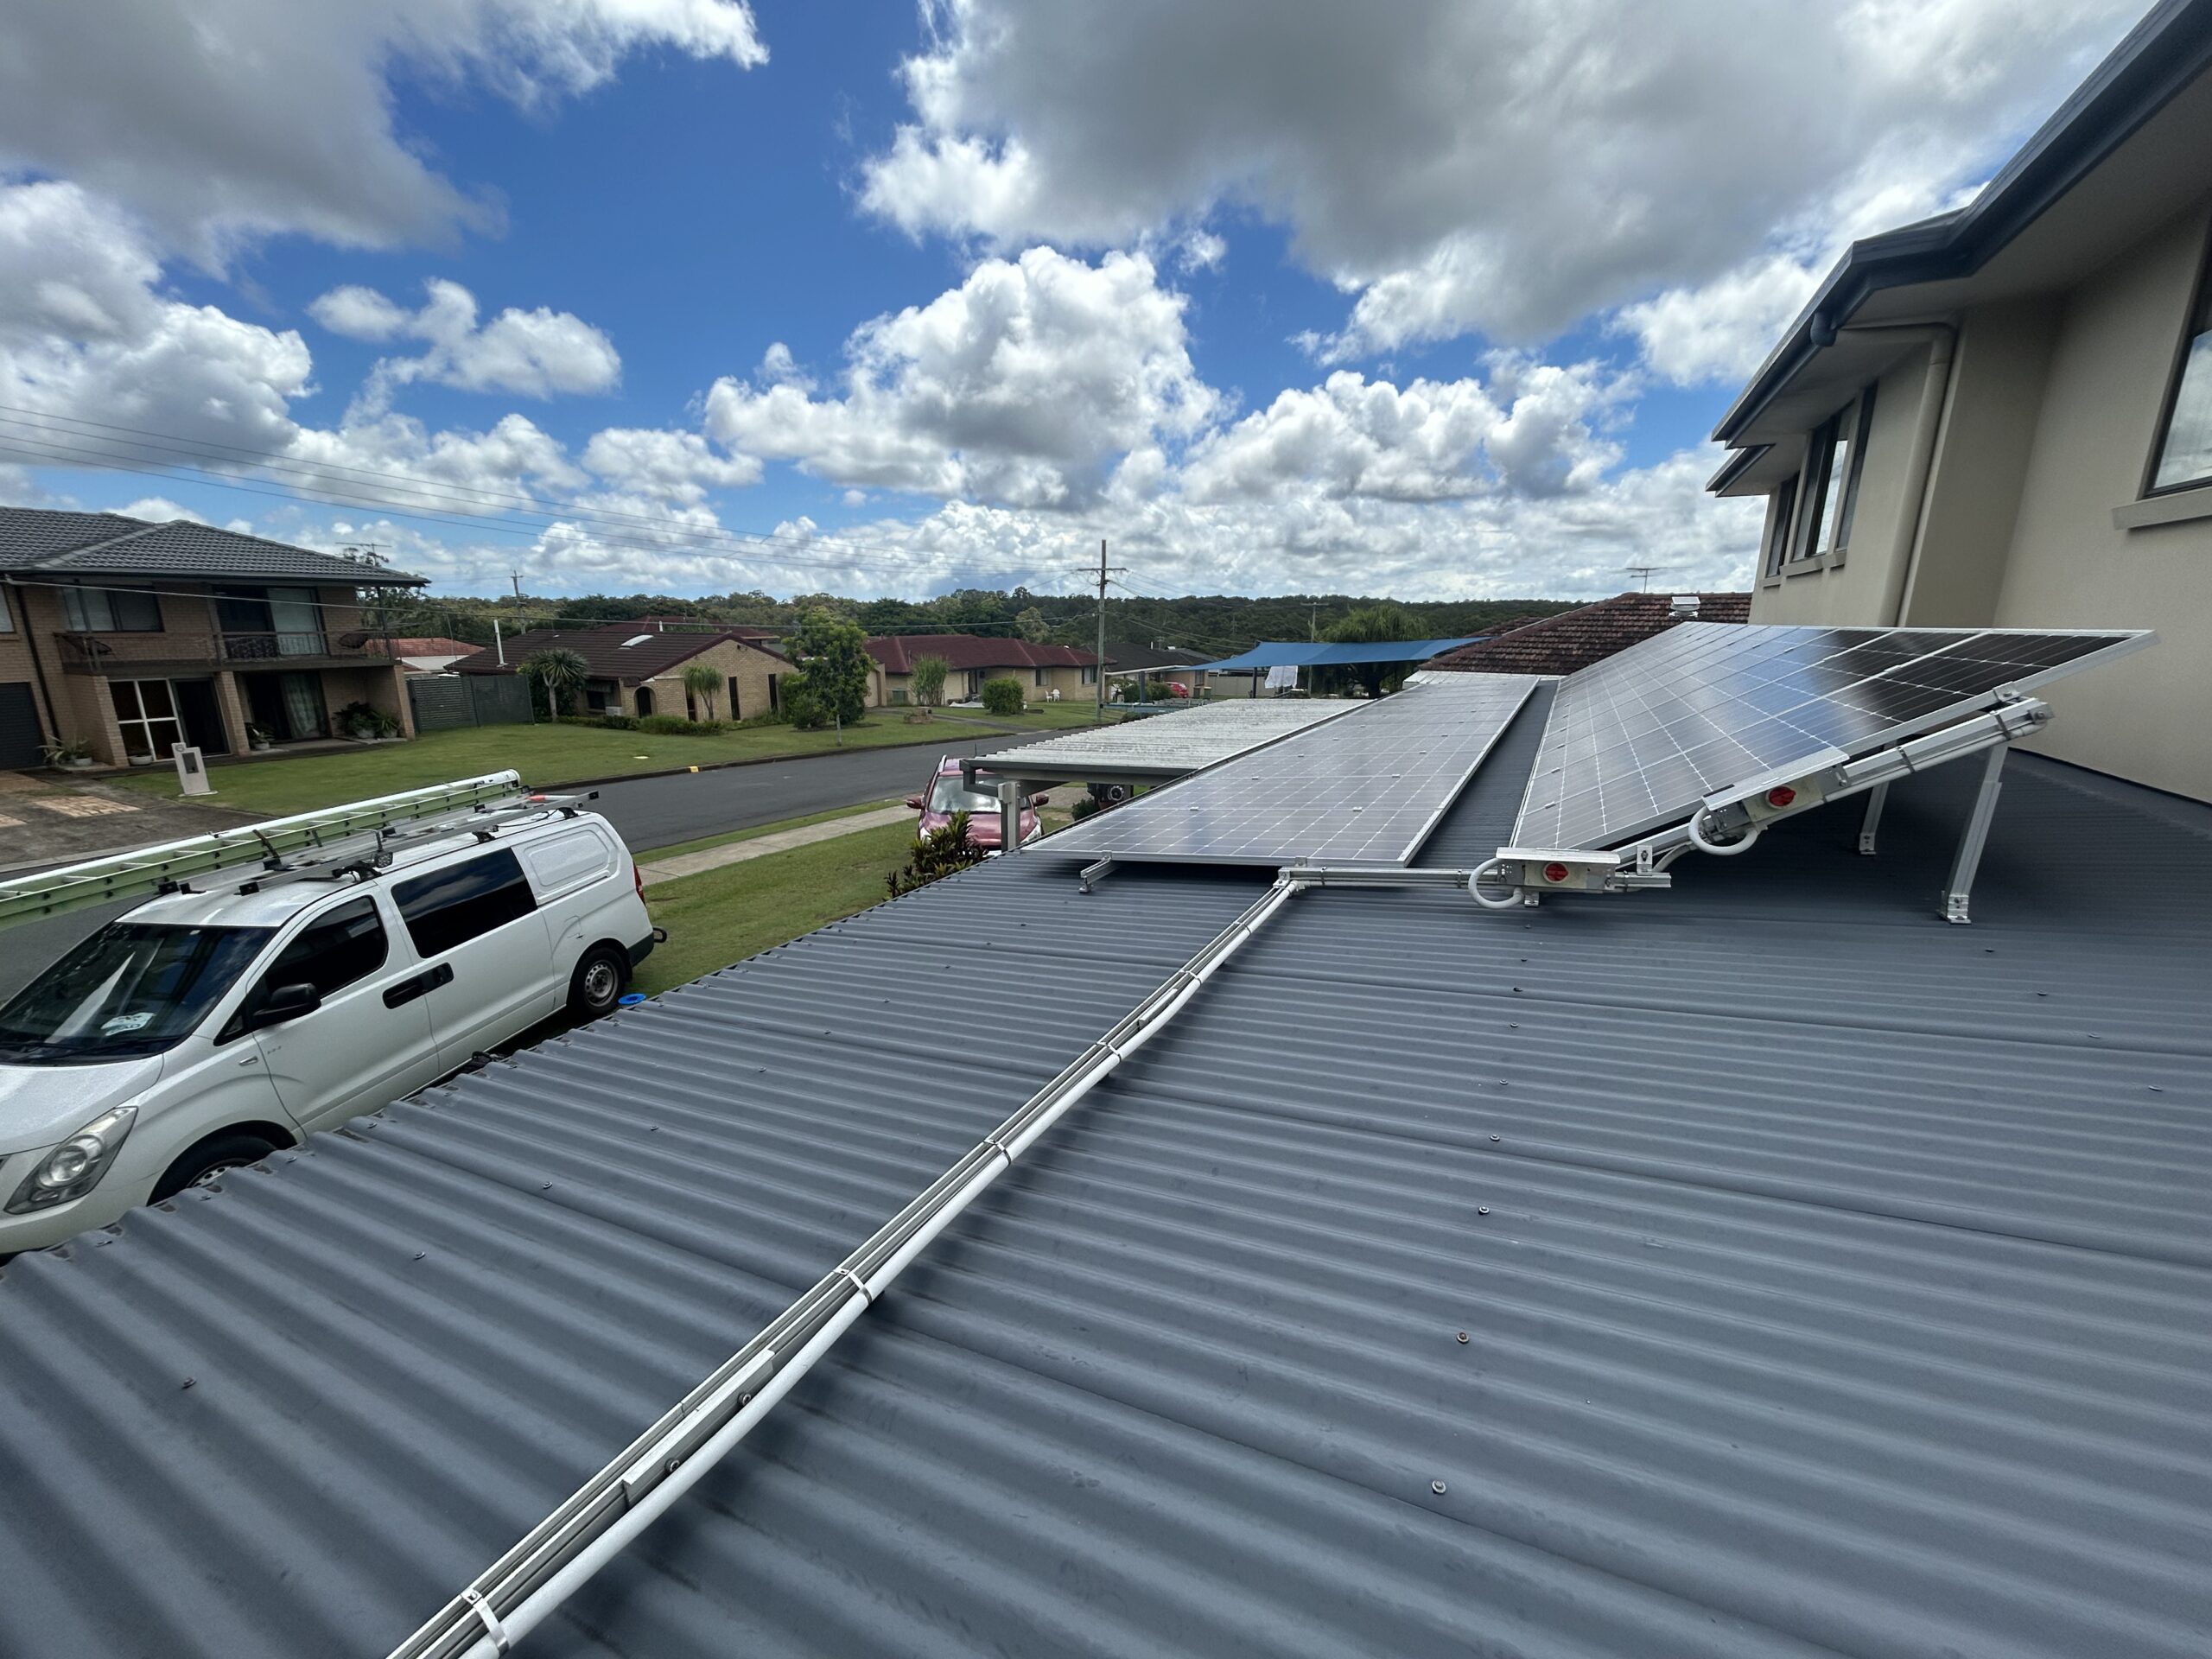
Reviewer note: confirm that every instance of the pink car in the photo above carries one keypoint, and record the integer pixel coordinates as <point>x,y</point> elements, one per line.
<point>947,795</point>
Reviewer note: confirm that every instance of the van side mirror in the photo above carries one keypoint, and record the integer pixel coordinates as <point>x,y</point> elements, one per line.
<point>1040,801</point>
<point>284,1003</point>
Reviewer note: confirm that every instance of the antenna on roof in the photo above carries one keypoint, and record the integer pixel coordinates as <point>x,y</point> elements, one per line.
<point>1643,573</point>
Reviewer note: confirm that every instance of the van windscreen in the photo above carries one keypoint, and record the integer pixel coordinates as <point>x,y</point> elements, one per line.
<point>131,988</point>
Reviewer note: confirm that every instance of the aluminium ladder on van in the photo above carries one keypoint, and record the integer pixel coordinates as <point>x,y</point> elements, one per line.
<point>149,870</point>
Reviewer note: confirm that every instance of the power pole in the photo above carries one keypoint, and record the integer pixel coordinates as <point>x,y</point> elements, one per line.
<point>1098,675</point>
<point>516,575</point>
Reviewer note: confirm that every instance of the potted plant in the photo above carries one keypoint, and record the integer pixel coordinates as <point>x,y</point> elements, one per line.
<point>74,754</point>
<point>258,737</point>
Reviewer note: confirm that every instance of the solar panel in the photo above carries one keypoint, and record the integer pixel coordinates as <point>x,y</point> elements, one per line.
<point>1167,745</point>
<point>1363,789</point>
<point>1636,741</point>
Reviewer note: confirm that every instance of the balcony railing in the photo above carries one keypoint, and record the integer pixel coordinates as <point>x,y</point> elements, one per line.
<point>133,653</point>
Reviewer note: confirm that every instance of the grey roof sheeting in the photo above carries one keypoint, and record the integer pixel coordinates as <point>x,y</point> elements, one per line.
<point>106,543</point>
<point>1836,1281</point>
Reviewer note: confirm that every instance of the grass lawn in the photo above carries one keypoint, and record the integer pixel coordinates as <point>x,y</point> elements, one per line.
<point>724,916</point>
<point>544,755</point>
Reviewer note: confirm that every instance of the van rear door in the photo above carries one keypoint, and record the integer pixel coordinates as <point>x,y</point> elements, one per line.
<point>475,922</point>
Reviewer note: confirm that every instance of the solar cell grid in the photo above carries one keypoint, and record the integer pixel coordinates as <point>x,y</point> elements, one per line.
<point>1636,741</point>
<point>1363,789</point>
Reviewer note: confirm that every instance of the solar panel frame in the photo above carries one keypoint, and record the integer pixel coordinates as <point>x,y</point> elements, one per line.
<point>1668,735</point>
<point>1312,779</point>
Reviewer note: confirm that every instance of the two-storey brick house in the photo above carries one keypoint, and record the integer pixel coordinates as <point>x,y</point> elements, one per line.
<point>131,637</point>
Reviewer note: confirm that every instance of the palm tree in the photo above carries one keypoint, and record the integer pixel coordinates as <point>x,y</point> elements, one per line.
<point>703,680</point>
<point>561,671</point>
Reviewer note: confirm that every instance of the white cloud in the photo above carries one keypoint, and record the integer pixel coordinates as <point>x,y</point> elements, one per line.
<point>230,119</point>
<point>1499,169</point>
<point>535,353</point>
<point>675,467</point>
<point>1024,384</point>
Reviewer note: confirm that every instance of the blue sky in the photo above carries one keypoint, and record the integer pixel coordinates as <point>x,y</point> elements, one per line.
<point>1430,299</point>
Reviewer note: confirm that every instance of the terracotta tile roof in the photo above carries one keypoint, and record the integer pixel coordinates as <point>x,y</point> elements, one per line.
<point>897,652</point>
<point>628,651</point>
<point>1573,639</point>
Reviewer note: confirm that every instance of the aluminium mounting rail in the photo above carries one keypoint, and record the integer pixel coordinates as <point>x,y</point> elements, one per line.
<point>518,1591</point>
<point>148,869</point>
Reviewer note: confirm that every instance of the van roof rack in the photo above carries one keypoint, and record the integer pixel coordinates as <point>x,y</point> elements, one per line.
<point>370,828</point>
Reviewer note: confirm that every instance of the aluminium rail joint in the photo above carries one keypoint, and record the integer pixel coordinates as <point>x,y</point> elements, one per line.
<point>520,1590</point>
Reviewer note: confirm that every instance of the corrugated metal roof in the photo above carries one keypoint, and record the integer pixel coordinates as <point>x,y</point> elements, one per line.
<point>1282,654</point>
<point>1834,1281</point>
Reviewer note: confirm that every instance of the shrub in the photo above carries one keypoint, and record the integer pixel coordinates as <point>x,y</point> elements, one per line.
<point>676,726</point>
<point>801,706</point>
<point>929,681</point>
<point>366,719</point>
<point>1002,697</point>
<point>936,856</point>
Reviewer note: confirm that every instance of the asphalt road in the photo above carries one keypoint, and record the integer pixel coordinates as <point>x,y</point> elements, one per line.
<point>648,812</point>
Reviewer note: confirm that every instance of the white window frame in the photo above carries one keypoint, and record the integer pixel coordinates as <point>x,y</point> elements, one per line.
<point>144,722</point>
<point>2188,390</point>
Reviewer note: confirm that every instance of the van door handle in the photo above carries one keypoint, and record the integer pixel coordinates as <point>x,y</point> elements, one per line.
<point>406,990</point>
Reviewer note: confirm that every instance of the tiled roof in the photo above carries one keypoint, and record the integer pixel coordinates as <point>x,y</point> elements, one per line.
<point>898,652</point>
<point>1575,639</point>
<point>615,650</point>
<point>106,543</point>
<point>432,647</point>
<point>1833,1281</point>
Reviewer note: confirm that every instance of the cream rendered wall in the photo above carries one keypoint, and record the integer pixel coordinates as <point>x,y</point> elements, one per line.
<point>1996,397</point>
<point>2145,716</point>
<point>1850,594</point>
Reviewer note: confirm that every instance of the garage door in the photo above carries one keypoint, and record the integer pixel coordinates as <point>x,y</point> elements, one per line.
<point>21,743</point>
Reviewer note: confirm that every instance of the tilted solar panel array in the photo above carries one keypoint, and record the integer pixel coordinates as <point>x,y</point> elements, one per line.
<point>1363,789</point>
<point>1635,742</point>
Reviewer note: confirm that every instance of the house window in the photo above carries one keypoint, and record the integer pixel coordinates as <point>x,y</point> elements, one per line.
<point>1829,497</point>
<point>1040,676</point>
<point>7,617</point>
<point>146,710</point>
<point>110,610</point>
<point>1779,518</point>
<point>735,713</point>
<point>2184,455</point>
<point>1090,674</point>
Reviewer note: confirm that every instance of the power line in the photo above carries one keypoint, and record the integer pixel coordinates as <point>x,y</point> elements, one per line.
<point>455,506</point>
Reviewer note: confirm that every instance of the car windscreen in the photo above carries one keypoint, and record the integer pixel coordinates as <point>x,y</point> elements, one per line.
<point>131,988</point>
<point>949,796</point>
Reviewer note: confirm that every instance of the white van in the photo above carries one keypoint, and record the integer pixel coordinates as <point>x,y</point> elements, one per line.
<point>208,1027</point>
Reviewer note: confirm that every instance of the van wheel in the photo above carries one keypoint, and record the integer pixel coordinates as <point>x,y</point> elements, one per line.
<point>598,981</point>
<point>212,1158</point>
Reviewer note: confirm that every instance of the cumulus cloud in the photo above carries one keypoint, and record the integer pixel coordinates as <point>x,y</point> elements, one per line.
<point>230,119</point>
<point>1024,384</point>
<point>536,353</point>
<point>674,467</point>
<point>1455,167</point>
<point>84,331</point>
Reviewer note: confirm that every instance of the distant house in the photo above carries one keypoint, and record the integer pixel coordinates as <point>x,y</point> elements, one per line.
<point>2002,417</point>
<point>1589,633</point>
<point>969,660</point>
<point>430,656</point>
<point>1153,668</point>
<point>637,668</point>
<point>131,637</point>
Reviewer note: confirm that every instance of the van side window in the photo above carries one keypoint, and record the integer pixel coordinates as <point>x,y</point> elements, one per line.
<point>563,863</point>
<point>330,954</point>
<point>451,906</point>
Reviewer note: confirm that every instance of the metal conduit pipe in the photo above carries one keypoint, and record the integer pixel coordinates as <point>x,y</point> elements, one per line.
<point>529,1583</point>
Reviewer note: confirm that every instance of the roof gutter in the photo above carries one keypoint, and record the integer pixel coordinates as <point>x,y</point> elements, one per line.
<point>2163,54</point>
<point>529,1583</point>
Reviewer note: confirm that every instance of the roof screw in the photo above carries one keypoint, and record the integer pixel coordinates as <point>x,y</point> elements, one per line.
<point>189,1381</point>
<point>1463,1336</point>
<point>1482,1209</point>
<point>744,1399</point>
<point>1495,1139</point>
<point>419,1254</point>
<point>548,1187</point>
<point>672,1464</point>
<point>1436,1486</point>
